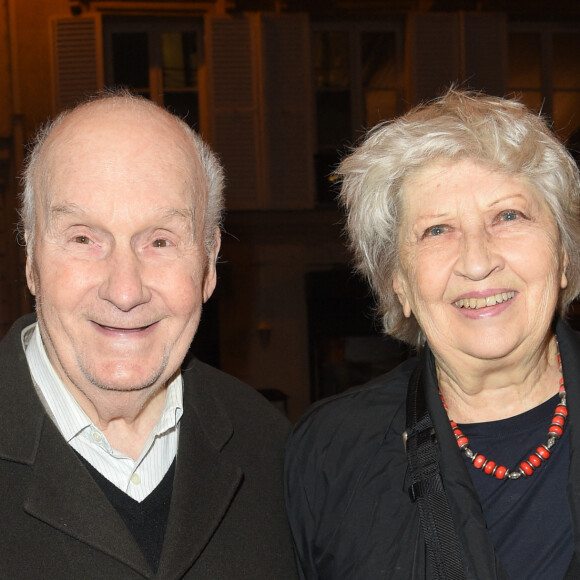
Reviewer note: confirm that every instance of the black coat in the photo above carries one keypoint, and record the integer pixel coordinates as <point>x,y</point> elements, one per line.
<point>347,481</point>
<point>226,518</point>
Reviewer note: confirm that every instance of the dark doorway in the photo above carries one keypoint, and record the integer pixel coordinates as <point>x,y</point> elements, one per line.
<point>347,347</point>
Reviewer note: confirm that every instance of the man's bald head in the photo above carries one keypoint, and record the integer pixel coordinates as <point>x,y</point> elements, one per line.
<point>121,112</point>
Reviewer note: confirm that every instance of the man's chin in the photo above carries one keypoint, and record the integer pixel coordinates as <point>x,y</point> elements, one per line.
<point>125,382</point>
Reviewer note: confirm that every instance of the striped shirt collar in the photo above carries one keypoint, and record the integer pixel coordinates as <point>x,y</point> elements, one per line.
<point>136,478</point>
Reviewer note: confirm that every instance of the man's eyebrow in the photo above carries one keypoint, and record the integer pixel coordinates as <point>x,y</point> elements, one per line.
<point>64,209</point>
<point>60,210</point>
<point>181,213</point>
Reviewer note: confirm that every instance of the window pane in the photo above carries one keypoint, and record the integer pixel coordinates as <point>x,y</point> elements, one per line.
<point>331,59</point>
<point>566,63</point>
<point>525,61</point>
<point>380,105</point>
<point>532,99</point>
<point>185,105</point>
<point>566,112</point>
<point>379,76</point>
<point>333,117</point>
<point>131,60</point>
<point>180,60</point>
<point>334,128</point>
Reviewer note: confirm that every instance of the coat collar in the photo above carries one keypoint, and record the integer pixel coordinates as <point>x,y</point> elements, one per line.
<point>206,481</point>
<point>22,414</point>
<point>64,495</point>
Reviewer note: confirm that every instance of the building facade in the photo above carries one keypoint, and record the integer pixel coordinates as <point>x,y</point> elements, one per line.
<point>280,89</point>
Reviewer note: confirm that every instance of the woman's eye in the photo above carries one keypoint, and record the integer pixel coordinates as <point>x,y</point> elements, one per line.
<point>509,215</point>
<point>160,243</point>
<point>82,240</point>
<point>434,231</point>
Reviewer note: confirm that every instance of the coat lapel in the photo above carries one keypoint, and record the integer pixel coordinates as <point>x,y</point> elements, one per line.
<point>569,345</point>
<point>467,513</point>
<point>205,481</point>
<point>61,493</point>
<point>64,495</point>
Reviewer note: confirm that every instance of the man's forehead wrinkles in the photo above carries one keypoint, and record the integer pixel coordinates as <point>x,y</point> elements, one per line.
<point>164,213</point>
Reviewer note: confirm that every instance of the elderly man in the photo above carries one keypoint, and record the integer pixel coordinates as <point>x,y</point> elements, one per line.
<point>114,462</point>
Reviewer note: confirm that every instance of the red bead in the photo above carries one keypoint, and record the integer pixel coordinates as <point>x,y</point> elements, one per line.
<point>543,452</point>
<point>453,424</point>
<point>479,461</point>
<point>489,467</point>
<point>561,410</point>
<point>535,460</point>
<point>462,441</point>
<point>500,472</point>
<point>556,429</point>
<point>457,432</point>
<point>558,420</point>
<point>526,468</point>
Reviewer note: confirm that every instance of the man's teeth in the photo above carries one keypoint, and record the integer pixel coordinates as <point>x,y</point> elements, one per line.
<point>475,303</point>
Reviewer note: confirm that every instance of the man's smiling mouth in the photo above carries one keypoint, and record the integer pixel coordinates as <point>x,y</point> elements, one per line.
<point>123,329</point>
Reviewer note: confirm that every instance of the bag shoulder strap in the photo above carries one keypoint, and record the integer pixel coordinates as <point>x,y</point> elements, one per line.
<point>426,487</point>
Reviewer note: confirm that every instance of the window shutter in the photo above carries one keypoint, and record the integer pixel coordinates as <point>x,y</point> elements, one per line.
<point>259,109</point>
<point>233,109</point>
<point>433,54</point>
<point>486,51</point>
<point>463,47</point>
<point>288,124</point>
<point>77,59</point>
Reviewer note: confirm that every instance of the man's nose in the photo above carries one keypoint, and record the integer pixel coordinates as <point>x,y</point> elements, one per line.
<point>478,255</point>
<point>123,284</point>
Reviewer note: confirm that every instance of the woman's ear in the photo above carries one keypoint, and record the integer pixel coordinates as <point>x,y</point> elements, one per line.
<point>400,288</point>
<point>565,263</point>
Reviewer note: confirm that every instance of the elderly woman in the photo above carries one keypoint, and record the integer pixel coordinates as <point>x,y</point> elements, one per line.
<point>463,462</point>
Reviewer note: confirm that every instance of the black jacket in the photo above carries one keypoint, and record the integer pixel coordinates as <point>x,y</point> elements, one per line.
<point>226,518</point>
<point>347,481</point>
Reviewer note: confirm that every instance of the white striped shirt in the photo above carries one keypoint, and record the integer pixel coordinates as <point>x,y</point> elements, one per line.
<point>136,478</point>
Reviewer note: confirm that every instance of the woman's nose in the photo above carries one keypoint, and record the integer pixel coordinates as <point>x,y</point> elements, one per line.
<point>478,256</point>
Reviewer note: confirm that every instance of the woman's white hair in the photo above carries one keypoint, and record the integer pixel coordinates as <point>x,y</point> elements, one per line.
<point>35,172</point>
<point>500,133</point>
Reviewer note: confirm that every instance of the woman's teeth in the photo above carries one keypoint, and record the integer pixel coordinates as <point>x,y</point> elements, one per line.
<point>476,303</point>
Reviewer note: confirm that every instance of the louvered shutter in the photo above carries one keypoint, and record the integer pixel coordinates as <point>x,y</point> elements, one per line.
<point>486,39</point>
<point>77,59</point>
<point>288,125</point>
<point>468,48</point>
<point>233,109</point>
<point>433,54</point>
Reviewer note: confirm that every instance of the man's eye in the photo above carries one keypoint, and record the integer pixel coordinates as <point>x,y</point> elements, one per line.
<point>82,240</point>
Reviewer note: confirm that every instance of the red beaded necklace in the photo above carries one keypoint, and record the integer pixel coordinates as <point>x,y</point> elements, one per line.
<point>529,465</point>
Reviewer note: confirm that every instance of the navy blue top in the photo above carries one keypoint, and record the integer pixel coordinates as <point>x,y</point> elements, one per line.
<point>546,550</point>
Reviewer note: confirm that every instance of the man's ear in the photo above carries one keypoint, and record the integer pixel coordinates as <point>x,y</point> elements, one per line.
<point>400,288</point>
<point>29,266</point>
<point>210,277</point>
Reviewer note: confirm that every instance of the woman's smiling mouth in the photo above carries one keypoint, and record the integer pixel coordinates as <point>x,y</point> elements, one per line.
<point>477,303</point>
